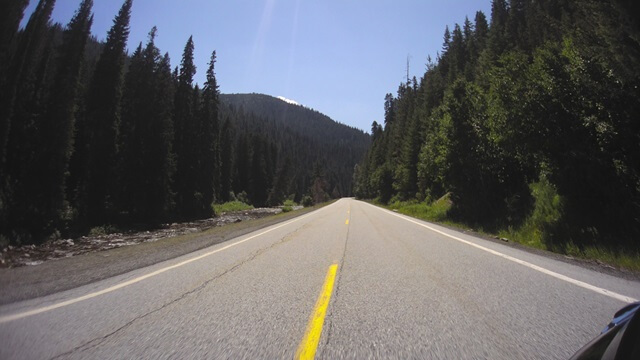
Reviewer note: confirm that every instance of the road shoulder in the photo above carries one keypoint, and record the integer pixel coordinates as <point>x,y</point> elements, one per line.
<point>28,282</point>
<point>584,263</point>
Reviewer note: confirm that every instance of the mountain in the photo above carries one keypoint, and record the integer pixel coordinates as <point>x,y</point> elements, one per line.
<point>317,146</point>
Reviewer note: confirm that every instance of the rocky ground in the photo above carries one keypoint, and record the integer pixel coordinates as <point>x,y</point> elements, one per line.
<point>30,255</point>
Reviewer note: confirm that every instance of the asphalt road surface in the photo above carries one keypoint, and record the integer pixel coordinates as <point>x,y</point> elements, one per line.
<point>347,281</point>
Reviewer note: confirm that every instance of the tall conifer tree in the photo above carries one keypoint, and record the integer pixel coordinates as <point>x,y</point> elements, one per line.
<point>186,131</point>
<point>146,137</point>
<point>18,93</point>
<point>56,130</point>
<point>17,85</point>
<point>208,142</point>
<point>499,18</point>
<point>11,12</point>
<point>227,157</point>
<point>103,118</point>
<point>258,183</point>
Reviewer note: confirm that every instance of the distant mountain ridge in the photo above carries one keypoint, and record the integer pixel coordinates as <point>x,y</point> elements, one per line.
<point>317,145</point>
<point>299,117</point>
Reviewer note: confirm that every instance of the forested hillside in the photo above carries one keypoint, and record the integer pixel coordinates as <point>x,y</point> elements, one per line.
<point>312,150</point>
<point>92,136</point>
<point>527,122</point>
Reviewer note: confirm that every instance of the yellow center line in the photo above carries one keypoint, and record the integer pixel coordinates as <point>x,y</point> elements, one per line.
<point>309,344</point>
<point>348,215</point>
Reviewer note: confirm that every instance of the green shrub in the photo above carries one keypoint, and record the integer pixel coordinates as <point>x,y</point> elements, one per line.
<point>436,211</point>
<point>289,203</point>
<point>231,206</point>
<point>307,201</point>
<point>536,229</point>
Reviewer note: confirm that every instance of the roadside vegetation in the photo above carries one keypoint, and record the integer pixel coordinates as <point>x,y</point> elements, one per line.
<point>535,232</point>
<point>288,205</point>
<point>527,121</point>
<point>231,206</point>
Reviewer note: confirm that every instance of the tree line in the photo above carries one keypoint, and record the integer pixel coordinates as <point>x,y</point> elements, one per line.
<point>311,154</point>
<point>91,135</point>
<point>533,113</point>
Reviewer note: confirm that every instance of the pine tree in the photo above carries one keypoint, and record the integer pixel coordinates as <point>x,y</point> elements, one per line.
<point>18,84</point>
<point>227,152</point>
<point>282,183</point>
<point>103,118</point>
<point>457,53</point>
<point>186,132</point>
<point>444,55</point>
<point>471,49</point>
<point>516,27</point>
<point>130,137</point>
<point>11,13</point>
<point>55,130</point>
<point>20,97</point>
<point>208,142</point>
<point>147,166</point>
<point>258,181</point>
<point>161,171</point>
<point>242,164</point>
<point>499,18</point>
<point>319,186</point>
<point>481,31</point>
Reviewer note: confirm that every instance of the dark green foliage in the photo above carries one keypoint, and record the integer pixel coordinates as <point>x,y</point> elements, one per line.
<point>11,13</point>
<point>307,201</point>
<point>186,132</point>
<point>227,161</point>
<point>281,184</point>
<point>286,131</point>
<point>19,66</point>
<point>23,90</point>
<point>546,97</point>
<point>497,37</point>
<point>319,187</point>
<point>40,106</point>
<point>208,142</point>
<point>146,130</point>
<point>242,164</point>
<point>56,129</point>
<point>258,179</point>
<point>102,120</point>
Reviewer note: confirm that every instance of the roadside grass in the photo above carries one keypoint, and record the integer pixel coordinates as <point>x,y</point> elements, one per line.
<point>231,206</point>
<point>436,211</point>
<point>533,232</point>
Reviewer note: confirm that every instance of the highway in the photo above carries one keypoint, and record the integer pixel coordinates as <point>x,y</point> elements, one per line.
<point>349,280</point>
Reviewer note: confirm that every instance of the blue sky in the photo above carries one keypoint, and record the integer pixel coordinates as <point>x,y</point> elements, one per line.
<point>339,57</point>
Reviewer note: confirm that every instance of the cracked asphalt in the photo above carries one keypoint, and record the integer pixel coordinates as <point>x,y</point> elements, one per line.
<point>401,291</point>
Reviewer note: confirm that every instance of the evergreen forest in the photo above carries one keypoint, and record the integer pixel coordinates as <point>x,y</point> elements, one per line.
<point>91,135</point>
<point>527,121</point>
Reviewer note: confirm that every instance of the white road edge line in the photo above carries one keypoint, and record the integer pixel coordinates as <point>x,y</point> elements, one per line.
<point>21,315</point>
<point>556,275</point>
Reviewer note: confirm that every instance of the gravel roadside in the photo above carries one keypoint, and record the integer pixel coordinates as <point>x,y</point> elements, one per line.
<point>27,282</point>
